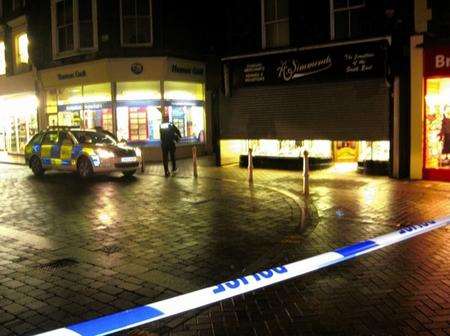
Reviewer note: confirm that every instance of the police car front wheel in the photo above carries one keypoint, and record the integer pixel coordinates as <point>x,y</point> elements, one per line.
<point>84,167</point>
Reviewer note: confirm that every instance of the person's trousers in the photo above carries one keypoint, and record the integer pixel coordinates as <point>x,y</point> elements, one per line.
<point>166,152</point>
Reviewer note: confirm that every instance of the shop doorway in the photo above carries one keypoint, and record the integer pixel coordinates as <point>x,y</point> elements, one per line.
<point>18,123</point>
<point>346,151</point>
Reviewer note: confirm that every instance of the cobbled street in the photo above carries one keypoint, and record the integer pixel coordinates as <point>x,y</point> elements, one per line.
<point>74,250</point>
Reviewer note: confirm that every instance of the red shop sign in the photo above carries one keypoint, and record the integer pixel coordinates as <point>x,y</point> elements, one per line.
<point>437,61</point>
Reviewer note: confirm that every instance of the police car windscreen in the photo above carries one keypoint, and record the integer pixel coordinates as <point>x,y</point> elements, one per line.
<point>93,137</point>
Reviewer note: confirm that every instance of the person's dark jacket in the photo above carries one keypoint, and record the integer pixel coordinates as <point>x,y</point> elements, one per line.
<point>169,134</point>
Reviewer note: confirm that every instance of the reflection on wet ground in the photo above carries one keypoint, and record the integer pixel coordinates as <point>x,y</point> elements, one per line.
<point>72,250</point>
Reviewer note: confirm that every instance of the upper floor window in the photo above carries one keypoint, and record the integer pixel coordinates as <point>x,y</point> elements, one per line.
<point>21,57</point>
<point>18,4</point>
<point>74,26</point>
<point>346,18</point>
<point>275,23</point>
<point>136,22</point>
<point>2,58</point>
<point>22,48</point>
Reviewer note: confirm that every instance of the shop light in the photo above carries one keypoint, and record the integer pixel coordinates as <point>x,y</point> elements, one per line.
<point>290,148</point>
<point>180,95</point>
<point>139,95</point>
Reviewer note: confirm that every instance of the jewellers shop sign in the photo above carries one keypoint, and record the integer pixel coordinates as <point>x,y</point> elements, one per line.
<point>361,60</point>
<point>436,61</point>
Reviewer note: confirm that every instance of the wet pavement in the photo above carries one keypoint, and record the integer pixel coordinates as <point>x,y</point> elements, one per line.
<point>72,250</point>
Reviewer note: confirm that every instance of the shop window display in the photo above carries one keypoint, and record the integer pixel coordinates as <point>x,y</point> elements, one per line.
<point>19,123</point>
<point>138,111</point>
<point>437,124</point>
<point>374,151</point>
<point>86,106</point>
<point>185,108</point>
<point>289,148</point>
<point>189,120</point>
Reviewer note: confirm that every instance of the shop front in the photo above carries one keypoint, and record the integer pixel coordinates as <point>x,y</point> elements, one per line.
<point>129,97</point>
<point>333,101</point>
<point>18,116</point>
<point>436,121</point>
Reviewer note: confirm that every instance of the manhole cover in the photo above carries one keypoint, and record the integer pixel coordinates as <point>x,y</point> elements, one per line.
<point>57,264</point>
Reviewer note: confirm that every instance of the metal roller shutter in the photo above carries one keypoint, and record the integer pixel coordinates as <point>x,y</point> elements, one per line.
<point>345,110</point>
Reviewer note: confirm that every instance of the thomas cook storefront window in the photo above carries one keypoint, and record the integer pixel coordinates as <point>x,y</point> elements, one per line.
<point>86,106</point>
<point>18,121</point>
<point>185,106</point>
<point>437,124</point>
<point>138,112</point>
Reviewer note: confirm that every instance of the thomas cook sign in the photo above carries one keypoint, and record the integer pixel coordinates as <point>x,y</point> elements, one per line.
<point>72,75</point>
<point>186,69</point>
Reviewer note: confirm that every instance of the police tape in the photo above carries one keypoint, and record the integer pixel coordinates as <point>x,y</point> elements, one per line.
<point>183,303</point>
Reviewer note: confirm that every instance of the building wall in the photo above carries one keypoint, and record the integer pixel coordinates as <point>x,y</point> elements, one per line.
<point>177,31</point>
<point>310,22</point>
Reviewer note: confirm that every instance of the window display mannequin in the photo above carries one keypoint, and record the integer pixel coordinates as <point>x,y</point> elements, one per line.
<point>444,136</point>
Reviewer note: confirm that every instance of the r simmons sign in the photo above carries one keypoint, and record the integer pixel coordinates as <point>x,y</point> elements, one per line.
<point>350,61</point>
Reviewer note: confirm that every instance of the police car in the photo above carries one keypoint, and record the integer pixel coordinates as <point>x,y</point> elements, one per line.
<point>86,152</point>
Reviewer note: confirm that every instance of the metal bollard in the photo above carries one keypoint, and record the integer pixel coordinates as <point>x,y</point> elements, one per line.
<point>305,173</point>
<point>142,160</point>
<point>250,165</point>
<point>194,160</point>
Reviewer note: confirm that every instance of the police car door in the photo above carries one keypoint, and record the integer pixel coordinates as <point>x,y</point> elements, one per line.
<point>49,149</point>
<point>66,144</point>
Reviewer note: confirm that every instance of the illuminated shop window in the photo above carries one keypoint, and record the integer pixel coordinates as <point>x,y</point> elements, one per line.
<point>183,91</point>
<point>190,120</point>
<point>19,120</point>
<point>289,148</point>
<point>87,106</point>
<point>374,151</point>
<point>2,58</point>
<point>97,108</point>
<point>138,111</point>
<point>143,90</point>
<point>437,123</point>
<point>185,108</point>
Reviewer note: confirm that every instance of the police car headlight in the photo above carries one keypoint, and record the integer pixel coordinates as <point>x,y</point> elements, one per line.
<point>138,152</point>
<point>104,154</point>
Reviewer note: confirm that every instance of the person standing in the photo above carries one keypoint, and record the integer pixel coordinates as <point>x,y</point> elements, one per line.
<point>170,135</point>
<point>444,135</point>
